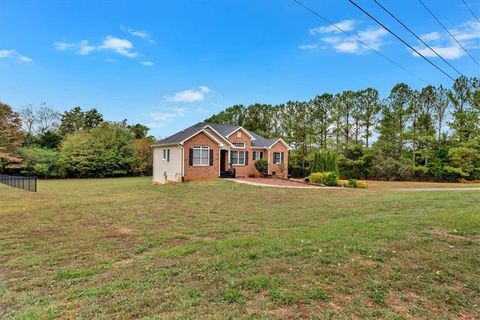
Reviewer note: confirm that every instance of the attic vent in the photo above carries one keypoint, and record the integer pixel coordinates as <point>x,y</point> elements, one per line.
<point>239,134</point>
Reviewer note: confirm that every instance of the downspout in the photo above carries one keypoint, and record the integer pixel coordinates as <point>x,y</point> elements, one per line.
<point>268,161</point>
<point>182,168</point>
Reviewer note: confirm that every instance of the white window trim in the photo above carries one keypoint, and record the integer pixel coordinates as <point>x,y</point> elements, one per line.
<point>208,156</point>
<point>243,147</point>
<point>256,155</point>
<point>164,154</point>
<point>244,155</point>
<point>281,160</point>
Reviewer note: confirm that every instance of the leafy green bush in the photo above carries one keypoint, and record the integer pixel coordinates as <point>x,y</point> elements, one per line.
<point>107,150</point>
<point>325,161</point>
<point>325,178</point>
<point>262,166</point>
<point>298,171</point>
<point>354,183</point>
<point>41,162</point>
<point>342,183</point>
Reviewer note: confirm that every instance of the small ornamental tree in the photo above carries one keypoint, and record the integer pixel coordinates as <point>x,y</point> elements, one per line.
<point>262,166</point>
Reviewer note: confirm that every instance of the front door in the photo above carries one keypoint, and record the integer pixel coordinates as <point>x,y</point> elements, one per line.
<point>223,160</point>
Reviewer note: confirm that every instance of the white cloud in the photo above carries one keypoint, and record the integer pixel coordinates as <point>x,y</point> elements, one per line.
<point>334,38</point>
<point>432,36</point>
<point>205,89</point>
<point>308,47</point>
<point>467,33</point>
<point>63,45</point>
<point>148,63</point>
<point>347,47</point>
<point>83,47</point>
<point>189,95</point>
<point>451,52</point>
<point>346,25</point>
<point>373,37</point>
<point>139,33</point>
<point>13,54</point>
<point>120,46</point>
<point>167,115</point>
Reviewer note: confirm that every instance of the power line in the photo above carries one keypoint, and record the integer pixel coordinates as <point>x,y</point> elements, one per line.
<point>416,36</point>
<point>471,11</point>
<point>403,41</point>
<point>443,26</point>
<point>359,40</point>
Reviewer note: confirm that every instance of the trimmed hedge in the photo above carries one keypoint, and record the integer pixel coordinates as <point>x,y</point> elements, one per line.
<point>325,178</point>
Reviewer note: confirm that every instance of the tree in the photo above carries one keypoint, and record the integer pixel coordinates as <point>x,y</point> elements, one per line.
<point>143,157</point>
<point>41,162</point>
<point>466,117</point>
<point>440,109</point>
<point>48,139</point>
<point>38,121</point>
<point>234,115</point>
<point>322,119</point>
<point>139,130</point>
<point>106,150</point>
<point>262,166</point>
<point>370,102</point>
<point>76,120</point>
<point>11,134</point>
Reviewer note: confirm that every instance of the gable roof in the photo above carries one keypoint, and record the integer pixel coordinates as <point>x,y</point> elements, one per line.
<point>224,130</point>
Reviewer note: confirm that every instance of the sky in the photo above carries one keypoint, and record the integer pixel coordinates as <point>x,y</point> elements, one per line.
<point>170,64</point>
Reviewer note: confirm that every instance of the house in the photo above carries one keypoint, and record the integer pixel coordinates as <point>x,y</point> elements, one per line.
<point>210,150</point>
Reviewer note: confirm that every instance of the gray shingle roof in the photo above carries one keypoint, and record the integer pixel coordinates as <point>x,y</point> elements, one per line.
<point>223,129</point>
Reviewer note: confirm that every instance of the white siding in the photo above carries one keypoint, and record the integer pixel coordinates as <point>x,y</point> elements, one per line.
<point>172,169</point>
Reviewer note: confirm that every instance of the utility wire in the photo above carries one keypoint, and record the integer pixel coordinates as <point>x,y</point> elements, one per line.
<point>358,40</point>
<point>471,11</point>
<point>416,36</point>
<point>431,13</point>
<point>403,41</point>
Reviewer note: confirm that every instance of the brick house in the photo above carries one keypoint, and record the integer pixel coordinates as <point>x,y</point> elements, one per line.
<point>209,150</point>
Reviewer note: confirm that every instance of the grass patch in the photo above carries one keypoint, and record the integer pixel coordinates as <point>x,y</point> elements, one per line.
<point>124,248</point>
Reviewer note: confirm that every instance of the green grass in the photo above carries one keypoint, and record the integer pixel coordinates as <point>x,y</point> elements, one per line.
<point>123,248</point>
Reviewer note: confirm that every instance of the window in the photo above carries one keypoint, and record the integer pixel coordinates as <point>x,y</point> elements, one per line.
<point>277,157</point>
<point>257,155</point>
<point>239,144</point>
<point>238,157</point>
<point>201,156</point>
<point>166,154</point>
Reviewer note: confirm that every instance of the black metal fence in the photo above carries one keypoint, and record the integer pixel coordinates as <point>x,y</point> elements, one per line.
<point>26,183</point>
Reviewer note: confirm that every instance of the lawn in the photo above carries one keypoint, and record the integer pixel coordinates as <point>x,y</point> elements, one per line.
<point>125,249</point>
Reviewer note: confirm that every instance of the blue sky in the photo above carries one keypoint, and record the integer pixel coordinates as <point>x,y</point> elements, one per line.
<point>169,64</point>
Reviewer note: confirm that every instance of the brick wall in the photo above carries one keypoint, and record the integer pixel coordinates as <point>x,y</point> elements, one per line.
<point>243,170</point>
<point>278,147</point>
<point>200,172</point>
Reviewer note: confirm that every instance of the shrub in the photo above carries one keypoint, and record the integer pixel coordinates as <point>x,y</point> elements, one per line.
<point>354,183</point>
<point>107,150</point>
<point>326,178</point>
<point>262,166</point>
<point>297,172</point>
<point>41,162</point>
<point>325,161</point>
<point>342,183</point>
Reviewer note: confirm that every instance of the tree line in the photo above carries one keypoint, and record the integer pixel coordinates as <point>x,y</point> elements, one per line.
<point>427,134</point>
<point>75,143</point>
